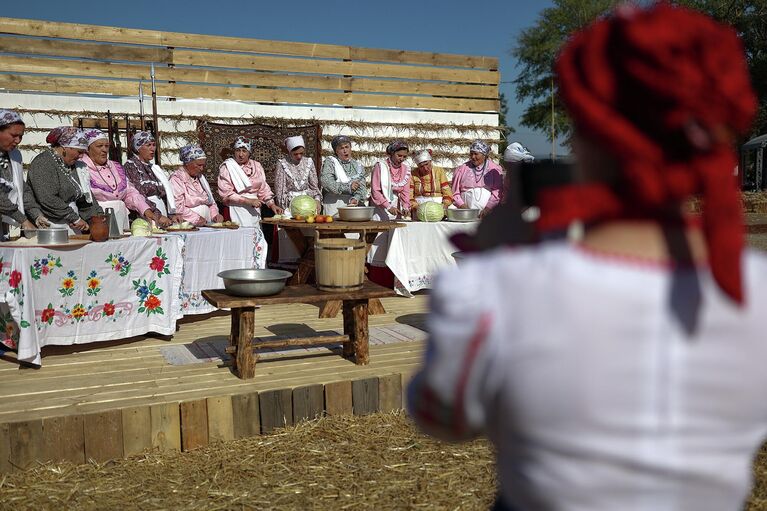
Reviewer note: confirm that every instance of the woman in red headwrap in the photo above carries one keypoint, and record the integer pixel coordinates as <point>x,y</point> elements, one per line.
<point>624,371</point>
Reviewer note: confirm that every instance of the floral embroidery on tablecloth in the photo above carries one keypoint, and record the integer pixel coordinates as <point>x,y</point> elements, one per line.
<point>159,263</point>
<point>68,284</point>
<point>119,263</point>
<point>17,289</point>
<point>109,311</point>
<point>9,332</point>
<point>44,266</point>
<point>148,293</point>
<point>93,284</point>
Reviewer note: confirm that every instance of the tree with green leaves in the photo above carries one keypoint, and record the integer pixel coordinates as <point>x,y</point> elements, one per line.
<point>538,46</point>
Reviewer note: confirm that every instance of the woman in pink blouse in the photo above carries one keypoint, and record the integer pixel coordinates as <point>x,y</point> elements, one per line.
<point>390,183</point>
<point>478,183</point>
<point>242,186</point>
<point>194,200</point>
<point>110,186</point>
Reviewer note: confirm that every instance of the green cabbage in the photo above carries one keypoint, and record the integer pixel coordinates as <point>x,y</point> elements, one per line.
<point>430,212</point>
<point>140,227</point>
<point>303,205</point>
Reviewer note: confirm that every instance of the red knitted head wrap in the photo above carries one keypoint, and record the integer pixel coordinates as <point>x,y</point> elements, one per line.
<point>663,90</point>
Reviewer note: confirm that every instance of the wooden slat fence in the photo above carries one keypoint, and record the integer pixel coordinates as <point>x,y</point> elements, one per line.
<point>73,59</point>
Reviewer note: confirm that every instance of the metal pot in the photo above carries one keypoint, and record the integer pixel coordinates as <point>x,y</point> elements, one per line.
<point>462,215</point>
<point>355,213</point>
<point>254,282</point>
<point>53,236</point>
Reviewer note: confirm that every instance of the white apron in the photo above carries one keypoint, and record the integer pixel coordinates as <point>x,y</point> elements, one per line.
<point>159,204</point>
<point>204,211</point>
<point>17,186</point>
<point>476,198</point>
<point>332,201</point>
<point>120,211</point>
<point>246,216</point>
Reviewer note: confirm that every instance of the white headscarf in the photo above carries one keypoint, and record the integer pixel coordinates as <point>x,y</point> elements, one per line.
<point>293,142</point>
<point>422,157</point>
<point>517,152</point>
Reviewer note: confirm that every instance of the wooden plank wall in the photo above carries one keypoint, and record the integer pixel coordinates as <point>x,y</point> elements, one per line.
<point>187,425</point>
<point>43,56</point>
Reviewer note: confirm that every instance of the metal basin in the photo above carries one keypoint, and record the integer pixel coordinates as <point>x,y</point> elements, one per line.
<point>53,236</point>
<point>355,213</point>
<point>459,257</point>
<point>254,282</point>
<point>462,215</point>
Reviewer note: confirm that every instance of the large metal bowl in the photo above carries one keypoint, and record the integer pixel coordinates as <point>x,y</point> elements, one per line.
<point>462,215</point>
<point>53,236</point>
<point>254,282</point>
<point>355,213</point>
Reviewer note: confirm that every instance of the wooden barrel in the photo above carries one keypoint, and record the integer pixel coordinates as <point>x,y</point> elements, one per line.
<point>339,264</point>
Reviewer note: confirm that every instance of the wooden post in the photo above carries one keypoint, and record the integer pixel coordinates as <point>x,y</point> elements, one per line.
<point>338,398</point>
<point>307,402</point>
<point>194,424</point>
<point>245,359</point>
<point>245,415</point>
<point>348,312</point>
<point>359,333</point>
<point>64,439</point>
<point>165,426</point>
<point>137,430</point>
<point>365,396</point>
<point>104,436</point>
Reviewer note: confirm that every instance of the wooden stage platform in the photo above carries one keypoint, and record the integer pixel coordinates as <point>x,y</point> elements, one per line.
<point>109,400</point>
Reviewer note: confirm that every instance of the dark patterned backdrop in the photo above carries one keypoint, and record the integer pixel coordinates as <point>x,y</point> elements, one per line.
<point>268,145</point>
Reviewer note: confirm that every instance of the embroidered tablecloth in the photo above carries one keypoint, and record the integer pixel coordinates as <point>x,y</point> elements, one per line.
<point>95,292</point>
<point>417,252</point>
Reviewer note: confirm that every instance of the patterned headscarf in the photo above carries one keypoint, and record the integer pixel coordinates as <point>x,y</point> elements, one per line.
<point>142,138</point>
<point>339,140</point>
<point>662,90</point>
<point>479,146</point>
<point>94,134</point>
<point>54,135</point>
<point>9,117</point>
<point>191,152</point>
<point>423,156</point>
<point>395,146</point>
<point>73,137</point>
<point>243,143</point>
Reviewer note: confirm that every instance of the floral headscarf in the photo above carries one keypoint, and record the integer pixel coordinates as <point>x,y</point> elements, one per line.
<point>73,137</point>
<point>9,117</point>
<point>142,138</point>
<point>395,146</point>
<point>339,140</point>
<point>191,152</point>
<point>93,135</point>
<point>478,146</point>
<point>243,143</point>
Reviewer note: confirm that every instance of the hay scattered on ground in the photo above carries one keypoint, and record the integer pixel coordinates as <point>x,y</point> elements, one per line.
<point>374,462</point>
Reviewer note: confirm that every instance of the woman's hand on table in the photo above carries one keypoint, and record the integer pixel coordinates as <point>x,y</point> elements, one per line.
<point>42,222</point>
<point>275,208</point>
<point>176,219</point>
<point>26,225</point>
<point>79,225</point>
<point>254,203</point>
<point>392,210</point>
<point>164,221</point>
<point>218,218</point>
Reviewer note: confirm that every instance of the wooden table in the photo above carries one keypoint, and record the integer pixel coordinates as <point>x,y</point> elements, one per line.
<point>355,311</point>
<point>368,231</point>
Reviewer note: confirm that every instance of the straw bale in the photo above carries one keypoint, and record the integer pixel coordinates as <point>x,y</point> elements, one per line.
<point>344,462</point>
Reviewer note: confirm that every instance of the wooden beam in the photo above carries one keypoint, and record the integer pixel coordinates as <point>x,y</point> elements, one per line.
<point>5,449</point>
<point>329,67</point>
<point>276,409</point>
<point>365,396</point>
<point>220,419</point>
<point>103,436</point>
<point>127,88</point>
<point>308,402</point>
<point>80,68</point>
<point>165,426</point>
<point>194,424</point>
<point>245,415</point>
<point>26,443</point>
<point>389,392</point>
<point>137,430</point>
<point>55,48</point>
<point>64,439</point>
<point>184,40</point>
<point>338,398</point>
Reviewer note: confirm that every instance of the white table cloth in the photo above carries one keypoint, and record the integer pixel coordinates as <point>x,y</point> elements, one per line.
<point>206,253</point>
<point>415,253</point>
<point>94,292</point>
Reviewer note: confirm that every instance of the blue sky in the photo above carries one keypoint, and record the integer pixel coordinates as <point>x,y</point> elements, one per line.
<point>448,26</point>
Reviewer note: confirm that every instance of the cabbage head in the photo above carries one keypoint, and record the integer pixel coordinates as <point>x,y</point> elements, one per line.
<point>303,205</point>
<point>430,212</point>
<point>140,227</point>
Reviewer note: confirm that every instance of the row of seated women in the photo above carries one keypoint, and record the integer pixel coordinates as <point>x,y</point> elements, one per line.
<point>74,179</point>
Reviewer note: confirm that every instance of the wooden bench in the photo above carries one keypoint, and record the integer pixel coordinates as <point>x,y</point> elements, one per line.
<point>355,314</point>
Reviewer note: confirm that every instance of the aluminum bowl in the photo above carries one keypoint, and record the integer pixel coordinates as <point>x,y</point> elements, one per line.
<point>53,236</point>
<point>355,213</point>
<point>254,282</point>
<point>462,215</point>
